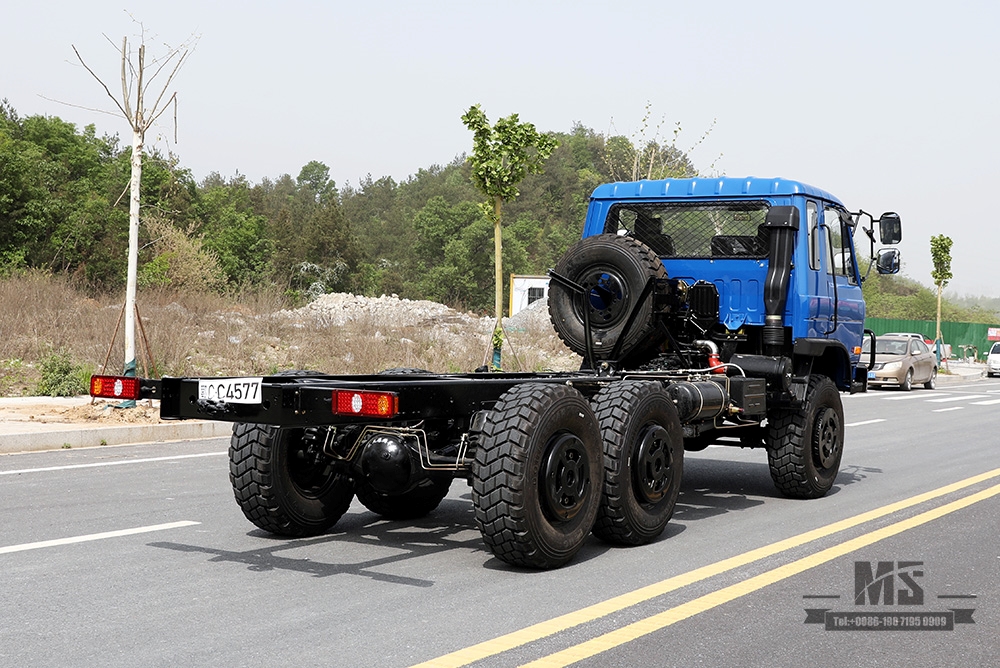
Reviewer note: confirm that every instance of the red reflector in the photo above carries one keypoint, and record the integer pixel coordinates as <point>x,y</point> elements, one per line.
<point>114,387</point>
<point>365,403</point>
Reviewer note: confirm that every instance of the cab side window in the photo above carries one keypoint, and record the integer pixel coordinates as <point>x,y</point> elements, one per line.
<point>841,259</point>
<point>812,215</point>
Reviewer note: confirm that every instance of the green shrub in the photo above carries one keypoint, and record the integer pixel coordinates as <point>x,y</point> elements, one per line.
<point>61,377</point>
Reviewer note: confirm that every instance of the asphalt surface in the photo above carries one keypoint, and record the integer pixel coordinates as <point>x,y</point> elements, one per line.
<point>727,584</point>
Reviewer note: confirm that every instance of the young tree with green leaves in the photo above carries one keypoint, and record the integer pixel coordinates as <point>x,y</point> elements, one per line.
<point>941,257</point>
<point>502,155</point>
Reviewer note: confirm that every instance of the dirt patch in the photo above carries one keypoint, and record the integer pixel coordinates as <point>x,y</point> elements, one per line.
<point>101,412</point>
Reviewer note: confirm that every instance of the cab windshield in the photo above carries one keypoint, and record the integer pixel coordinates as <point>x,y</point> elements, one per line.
<point>704,230</point>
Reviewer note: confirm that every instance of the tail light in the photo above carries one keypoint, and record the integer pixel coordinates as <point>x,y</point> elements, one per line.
<point>366,403</point>
<point>114,387</point>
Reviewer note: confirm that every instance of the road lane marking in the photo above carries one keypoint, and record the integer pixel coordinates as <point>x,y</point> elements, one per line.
<point>859,424</point>
<point>915,395</point>
<point>947,410</point>
<point>590,613</point>
<point>990,402</point>
<point>963,397</point>
<point>95,536</point>
<point>701,604</point>
<point>117,462</point>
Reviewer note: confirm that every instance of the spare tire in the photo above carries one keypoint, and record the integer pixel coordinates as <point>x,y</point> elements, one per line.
<point>614,269</point>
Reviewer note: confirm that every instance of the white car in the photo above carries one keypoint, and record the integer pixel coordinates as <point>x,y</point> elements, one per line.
<point>993,360</point>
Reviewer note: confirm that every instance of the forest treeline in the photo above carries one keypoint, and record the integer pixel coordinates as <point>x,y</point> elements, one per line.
<point>64,209</point>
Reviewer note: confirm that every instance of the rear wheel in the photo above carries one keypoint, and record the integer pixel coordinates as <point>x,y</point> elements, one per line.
<point>283,483</point>
<point>932,381</point>
<point>643,461</point>
<point>805,445</point>
<point>536,478</point>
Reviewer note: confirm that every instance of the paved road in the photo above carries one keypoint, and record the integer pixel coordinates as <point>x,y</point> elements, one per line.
<point>131,556</point>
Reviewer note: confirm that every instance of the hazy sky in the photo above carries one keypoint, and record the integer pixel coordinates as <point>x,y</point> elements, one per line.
<point>888,105</point>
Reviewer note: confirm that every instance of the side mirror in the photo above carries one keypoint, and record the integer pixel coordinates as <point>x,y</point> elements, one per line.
<point>890,229</point>
<point>887,261</point>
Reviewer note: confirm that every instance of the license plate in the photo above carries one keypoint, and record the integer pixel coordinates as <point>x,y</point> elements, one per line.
<point>231,390</point>
<point>871,375</point>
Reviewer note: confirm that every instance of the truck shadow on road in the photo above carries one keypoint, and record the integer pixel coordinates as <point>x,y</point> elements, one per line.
<point>378,545</point>
<point>714,487</point>
<point>364,545</point>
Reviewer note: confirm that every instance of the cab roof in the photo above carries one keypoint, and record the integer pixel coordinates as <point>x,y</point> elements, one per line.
<point>709,188</point>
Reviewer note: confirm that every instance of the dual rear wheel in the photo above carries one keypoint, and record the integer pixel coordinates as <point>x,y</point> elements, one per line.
<point>551,467</point>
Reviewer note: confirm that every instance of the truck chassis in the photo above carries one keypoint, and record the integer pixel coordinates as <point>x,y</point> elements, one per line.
<point>749,342</point>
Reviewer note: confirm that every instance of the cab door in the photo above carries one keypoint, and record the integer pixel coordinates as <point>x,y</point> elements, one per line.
<point>847,313</point>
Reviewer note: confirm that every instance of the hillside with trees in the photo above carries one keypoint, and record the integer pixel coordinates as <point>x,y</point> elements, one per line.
<point>63,209</point>
<point>903,298</point>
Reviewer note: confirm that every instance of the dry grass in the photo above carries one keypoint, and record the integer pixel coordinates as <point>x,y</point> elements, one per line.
<point>241,334</point>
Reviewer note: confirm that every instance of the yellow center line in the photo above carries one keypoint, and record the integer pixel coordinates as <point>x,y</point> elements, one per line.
<point>561,623</point>
<point>707,602</point>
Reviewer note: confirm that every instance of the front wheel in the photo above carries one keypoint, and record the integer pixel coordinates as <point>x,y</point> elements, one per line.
<point>907,383</point>
<point>805,445</point>
<point>536,478</point>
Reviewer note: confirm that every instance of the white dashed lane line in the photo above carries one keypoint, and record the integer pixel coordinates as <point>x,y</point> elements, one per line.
<point>914,395</point>
<point>864,422</point>
<point>117,462</point>
<point>961,397</point>
<point>95,536</point>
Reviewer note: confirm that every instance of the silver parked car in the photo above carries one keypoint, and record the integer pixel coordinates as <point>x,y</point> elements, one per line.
<point>903,361</point>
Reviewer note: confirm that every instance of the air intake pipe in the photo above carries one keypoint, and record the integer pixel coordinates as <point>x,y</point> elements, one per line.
<point>782,223</point>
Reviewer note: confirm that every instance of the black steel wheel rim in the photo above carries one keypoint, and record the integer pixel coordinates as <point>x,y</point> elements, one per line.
<point>827,438</point>
<point>308,476</point>
<point>565,476</point>
<point>652,465</point>
<point>607,294</point>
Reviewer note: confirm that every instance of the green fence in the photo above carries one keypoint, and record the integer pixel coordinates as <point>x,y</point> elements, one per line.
<point>957,334</point>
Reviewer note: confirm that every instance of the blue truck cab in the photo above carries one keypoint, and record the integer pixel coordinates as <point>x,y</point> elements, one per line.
<point>755,283</point>
<point>717,231</point>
